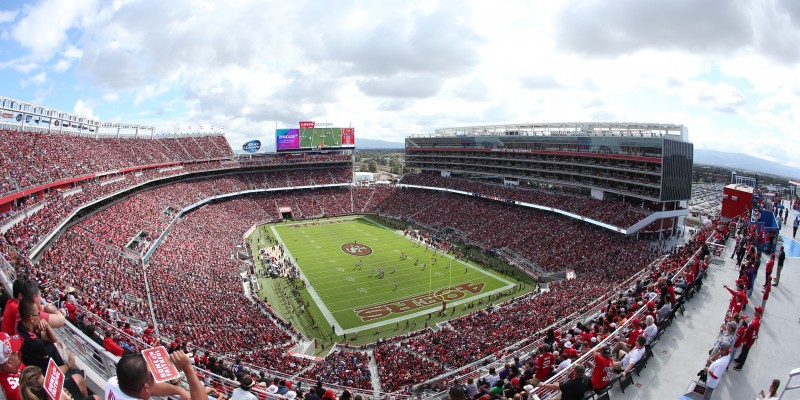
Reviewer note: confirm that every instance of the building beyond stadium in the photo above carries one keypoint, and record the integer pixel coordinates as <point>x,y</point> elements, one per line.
<point>647,165</point>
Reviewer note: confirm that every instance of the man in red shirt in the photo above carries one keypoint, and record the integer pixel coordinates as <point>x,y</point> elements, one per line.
<point>11,310</point>
<point>738,299</point>
<point>750,337</point>
<point>112,346</point>
<point>636,330</point>
<point>603,365</point>
<point>544,365</point>
<point>740,333</point>
<point>770,265</point>
<point>766,290</point>
<point>10,365</point>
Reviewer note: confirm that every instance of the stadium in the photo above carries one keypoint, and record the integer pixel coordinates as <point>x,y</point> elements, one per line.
<point>279,266</point>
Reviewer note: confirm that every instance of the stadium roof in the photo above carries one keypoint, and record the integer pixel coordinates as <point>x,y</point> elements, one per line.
<point>632,129</point>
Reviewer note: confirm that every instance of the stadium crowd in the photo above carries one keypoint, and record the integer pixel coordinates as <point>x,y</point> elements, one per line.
<point>214,265</point>
<point>28,158</point>
<point>612,212</point>
<point>87,261</point>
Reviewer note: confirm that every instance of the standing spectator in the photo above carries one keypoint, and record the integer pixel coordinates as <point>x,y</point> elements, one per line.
<point>751,279</point>
<point>770,265</point>
<point>715,372</point>
<point>10,311</point>
<point>795,224</point>
<point>725,341</point>
<point>767,288</point>
<point>750,337</point>
<point>740,333</point>
<point>781,259</point>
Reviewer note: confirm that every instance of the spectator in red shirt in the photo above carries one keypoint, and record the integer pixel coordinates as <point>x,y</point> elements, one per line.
<point>544,365</point>
<point>603,365</point>
<point>12,310</point>
<point>750,337</point>
<point>767,288</point>
<point>10,365</point>
<point>112,346</point>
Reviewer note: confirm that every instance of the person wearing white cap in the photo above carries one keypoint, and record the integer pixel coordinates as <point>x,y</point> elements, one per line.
<point>290,395</point>
<point>272,389</point>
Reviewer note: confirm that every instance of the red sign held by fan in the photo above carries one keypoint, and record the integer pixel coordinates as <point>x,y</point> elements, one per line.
<point>160,365</point>
<point>53,381</point>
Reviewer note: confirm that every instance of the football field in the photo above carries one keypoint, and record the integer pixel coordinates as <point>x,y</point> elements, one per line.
<point>342,258</point>
<point>320,137</point>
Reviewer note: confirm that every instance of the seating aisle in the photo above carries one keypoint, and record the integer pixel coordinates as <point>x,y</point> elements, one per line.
<point>683,349</point>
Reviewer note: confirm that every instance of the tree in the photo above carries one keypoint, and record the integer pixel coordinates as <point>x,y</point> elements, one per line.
<point>373,166</point>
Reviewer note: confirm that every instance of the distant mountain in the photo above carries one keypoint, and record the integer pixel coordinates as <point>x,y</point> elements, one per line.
<point>366,144</point>
<point>738,161</point>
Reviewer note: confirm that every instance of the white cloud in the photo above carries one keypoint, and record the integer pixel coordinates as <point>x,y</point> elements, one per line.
<point>419,65</point>
<point>37,79</point>
<point>44,27</point>
<point>7,16</point>
<point>83,109</point>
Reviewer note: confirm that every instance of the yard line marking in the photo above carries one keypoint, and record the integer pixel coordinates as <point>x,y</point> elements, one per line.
<point>311,290</point>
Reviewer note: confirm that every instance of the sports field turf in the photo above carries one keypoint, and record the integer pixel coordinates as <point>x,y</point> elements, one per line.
<point>353,298</point>
<point>316,137</point>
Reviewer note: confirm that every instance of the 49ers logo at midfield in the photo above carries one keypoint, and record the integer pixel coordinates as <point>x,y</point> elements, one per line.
<point>355,249</point>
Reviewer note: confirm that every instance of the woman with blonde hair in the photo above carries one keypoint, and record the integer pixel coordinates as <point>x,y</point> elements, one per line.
<point>31,380</point>
<point>30,385</point>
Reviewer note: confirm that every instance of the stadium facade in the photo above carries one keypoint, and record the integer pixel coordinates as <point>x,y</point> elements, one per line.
<point>646,165</point>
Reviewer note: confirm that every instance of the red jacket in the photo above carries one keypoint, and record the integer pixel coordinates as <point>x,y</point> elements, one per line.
<point>751,335</point>
<point>740,336</point>
<point>112,346</point>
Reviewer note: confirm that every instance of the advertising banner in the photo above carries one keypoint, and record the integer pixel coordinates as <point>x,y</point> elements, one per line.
<point>287,139</point>
<point>252,146</point>
<point>348,137</point>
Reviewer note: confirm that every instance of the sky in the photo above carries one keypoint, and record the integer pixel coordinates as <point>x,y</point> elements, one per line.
<point>729,70</point>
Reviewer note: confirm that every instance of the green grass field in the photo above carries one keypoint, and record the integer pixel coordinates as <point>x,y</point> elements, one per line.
<point>317,136</point>
<point>353,299</point>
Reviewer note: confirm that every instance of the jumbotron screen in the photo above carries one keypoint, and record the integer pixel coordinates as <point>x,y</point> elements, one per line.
<point>314,138</point>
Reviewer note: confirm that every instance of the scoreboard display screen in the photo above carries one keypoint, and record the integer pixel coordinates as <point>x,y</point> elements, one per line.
<point>314,138</point>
